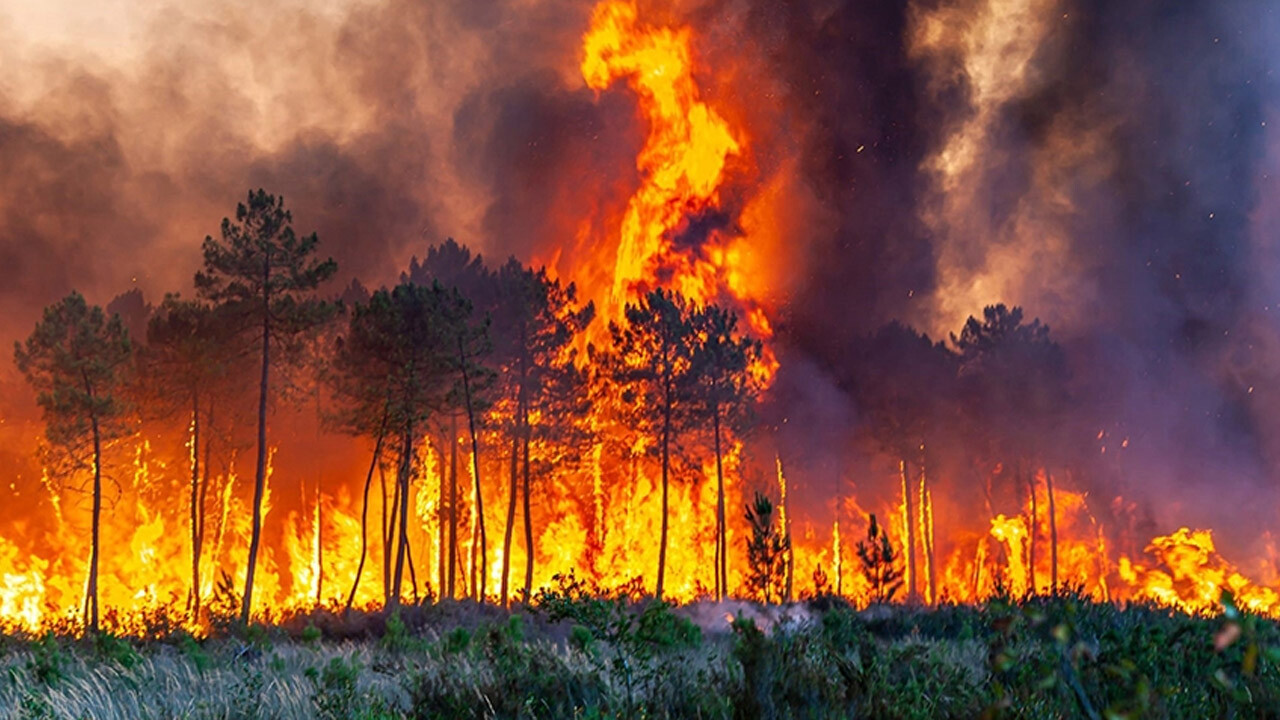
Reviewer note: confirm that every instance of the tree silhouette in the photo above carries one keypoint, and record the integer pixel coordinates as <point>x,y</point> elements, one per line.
<point>722,391</point>
<point>648,365</point>
<point>879,563</point>
<point>76,360</point>
<point>766,552</point>
<point>394,370</point>
<point>187,362</point>
<point>906,384</point>
<point>1013,380</point>
<point>454,266</point>
<point>265,277</point>
<point>535,323</point>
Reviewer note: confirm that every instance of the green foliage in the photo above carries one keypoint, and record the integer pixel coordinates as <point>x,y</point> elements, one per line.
<point>879,563</point>
<point>335,688</point>
<point>1044,657</point>
<point>48,662</point>
<point>194,652</point>
<point>766,552</point>
<point>263,271</point>
<point>262,277</point>
<point>634,634</point>
<point>76,360</point>
<point>457,640</point>
<point>115,649</point>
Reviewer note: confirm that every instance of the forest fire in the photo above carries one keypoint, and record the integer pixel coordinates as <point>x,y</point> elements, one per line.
<point>616,429</point>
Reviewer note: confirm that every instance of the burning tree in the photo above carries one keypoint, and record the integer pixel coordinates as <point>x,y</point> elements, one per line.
<point>722,392</point>
<point>1014,379</point>
<point>649,366</point>
<point>187,360</point>
<point>535,325</point>
<point>76,360</point>
<point>265,277</point>
<point>906,383</point>
<point>397,369</point>
<point>454,266</point>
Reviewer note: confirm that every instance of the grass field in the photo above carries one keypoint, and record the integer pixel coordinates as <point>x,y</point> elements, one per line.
<point>577,656</point>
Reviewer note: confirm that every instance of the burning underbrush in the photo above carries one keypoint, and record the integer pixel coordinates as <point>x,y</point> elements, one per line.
<point>631,405</point>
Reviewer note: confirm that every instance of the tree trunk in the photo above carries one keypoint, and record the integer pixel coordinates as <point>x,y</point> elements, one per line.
<point>528,518</point>
<point>402,508</point>
<point>442,527</point>
<point>511,502</point>
<point>413,574</point>
<point>320,516</point>
<point>387,526</point>
<point>201,503</point>
<point>195,505</point>
<point>1031,534</point>
<point>1053,536</point>
<point>260,476</point>
<point>453,505</point>
<point>666,462</point>
<point>364,518</point>
<point>722,549</point>
<point>393,531</point>
<point>475,471</point>
<point>912,591</point>
<point>789,554</point>
<point>926,527</point>
<point>96,541</point>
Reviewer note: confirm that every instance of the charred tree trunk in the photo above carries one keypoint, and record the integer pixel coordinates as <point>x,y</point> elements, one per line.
<point>260,476</point>
<point>413,574</point>
<point>442,527</point>
<point>195,505</point>
<point>402,510</point>
<point>91,595</point>
<point>364,518</point>
<point>453,505</point>
<point>1031,534</point>
<point>202,516</point>
<point>482,571</point>
<point>392,533</point>
<point>1053,536</point>
<point>387,525</point>
<point>319,543</point>
<point>512,491</point>
<point>722,548</point>
<point>926,527</point>
<point>666,464</point>
<point>528,518</point>
<point>913,594</point>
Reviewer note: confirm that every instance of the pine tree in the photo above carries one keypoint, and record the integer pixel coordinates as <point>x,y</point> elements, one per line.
<point>879,563</point>
<point>649,366</point>
<point>766,552</point>
<point>265,276</point>
<point>77,361</point>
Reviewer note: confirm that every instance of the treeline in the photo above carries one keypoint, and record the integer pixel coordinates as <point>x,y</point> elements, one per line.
<point>455,341</point>
<point>458,348</point>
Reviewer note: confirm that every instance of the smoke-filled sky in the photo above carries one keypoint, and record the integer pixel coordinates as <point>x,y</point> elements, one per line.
<point>1110,166</point>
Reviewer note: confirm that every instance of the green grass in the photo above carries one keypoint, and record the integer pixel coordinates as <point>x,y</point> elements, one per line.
<point>579,656</point>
